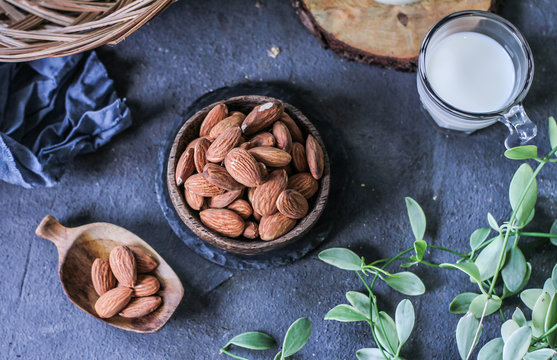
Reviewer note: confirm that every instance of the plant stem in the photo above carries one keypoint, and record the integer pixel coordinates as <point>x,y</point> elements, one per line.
<point>223,351</point>
<point>389,262</point>
<point>477,331</point>
<point>548,332</point>
<point>448,250</point>
<point>537,234</point>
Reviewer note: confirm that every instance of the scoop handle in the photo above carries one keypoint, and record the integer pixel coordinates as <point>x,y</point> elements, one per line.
<point>52,230</point>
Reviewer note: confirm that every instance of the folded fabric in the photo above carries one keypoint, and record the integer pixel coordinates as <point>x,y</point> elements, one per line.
<point>52,110</point>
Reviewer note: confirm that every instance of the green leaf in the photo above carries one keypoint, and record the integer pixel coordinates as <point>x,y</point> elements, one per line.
<point>478,237</point>
<point>465,333</point>
<point>519,318</point>
<point>541,354</point>
<point>552,132</point>
<point>417,218</point>
<point>551,320</point>
<point>492,222</point>
<point>508,328</point>
<point>518,185</point>
<point>461,303</point>
<point>360,302</point>
<point>296,337</point>
<point>507,292</point>
<point>553,231</point>
<point>514,271</point>
<point>488,258</point>
<point>253,340</point>
<point>278,356</point>
<point>540,313</point>
<point>522,152</point>
<point>466,267</point>
<point>345,313</point>
<point>530,296</point>
<point>420,247</point>
<point>478,304</point>
<point>517,345</point>
<point>548,287</point>
<point>404,320</point>
<point>386,332</point>
<point>493,350</point>
<point>370,354</point>
<point>342,258</point>
<point>554,276</point>
<point>406,283</point>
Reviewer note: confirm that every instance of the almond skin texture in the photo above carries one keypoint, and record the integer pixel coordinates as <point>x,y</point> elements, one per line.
<point>223,221</point>
<point>225,142</point>
<point>102,277</point>
<point>271,156</point>
<point>303,183</point>
<point>282,136</point>
<point>199,154</point>
<point>292,204</point>
<point>299,157</point>
<point>217,114</point>
<point>218,176</point>
<point>263,139</point>
<point>315,157</point>
<point>274,226</point>
<point>146,285</point>
<point>200,186</point>
<point>223,200</point>
<point>233,120</point>
<point>265,196</point>
<point>111,302</point>
<point>242,166</point>
<point>262,117</point>
<point>141,306</point>
<point>251,231</point>
<point>122,263</point>
<point>144,262</point>
<point>185,166</point>
<point>194,201</point>
<point>242,208</point>
<point>295,131</point>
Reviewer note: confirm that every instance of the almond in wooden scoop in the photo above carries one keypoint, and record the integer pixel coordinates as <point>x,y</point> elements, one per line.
<point>144,262</point>
<point>102,277</point>
<point>146,285</point>
<point>216,115</point>
<point>185,166</point>
<point>197,184</point>
<point>274,226</point>
<point>122,263</point>
<point>141,306</point>
<point>223,221</point>
<point>271,156</point>
<point>242,166</point>
<point>251,231</point>
<point>111,302</point>
<point>315,157</point>
<point>265,196</point>
<point>218,176</point>
<point>262,116</point>
<point>225,142</point>
<point>292,204</point>
<point>304,183</point>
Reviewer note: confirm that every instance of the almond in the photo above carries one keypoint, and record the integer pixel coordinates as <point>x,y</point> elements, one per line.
<point>144,262</point>
<point>292,204</point>
<point>194,201</point>
<point>262,117</point>
<point>263,171</point>
<point>295,131</point>
<point>225,142</point>
<point>271,156</point>
<point>185,166</point>
<point>200,186</point>
<point>246,145</point>
<point>223,200</point>
<point>303,183</point>
<point>223,221</point>
<point>251,193</point>
<point>299,157</point>
<point>315,157</point>
<point>233,120</point>
<point>112,301</point>
<point>217,114</point>
<point>218,176</point>
<point>146,285</point>
<point>122,263</point>
<point>263,139</point>
<point>199,154</point>
<point>282,136</point>
<point>194,142</point>
<point>141,306</point>
<point>274,226</point>
<point>251,231</point>
<point>242,208</point>
<point>102,277</point>
<point>265,196</point>
<point>241,165</point>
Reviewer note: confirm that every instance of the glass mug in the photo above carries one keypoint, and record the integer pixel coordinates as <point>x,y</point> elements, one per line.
<point>512,114</point>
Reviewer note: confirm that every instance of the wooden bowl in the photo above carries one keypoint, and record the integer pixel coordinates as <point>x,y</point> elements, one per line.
<point>190,130</point>
<point>79,247</point>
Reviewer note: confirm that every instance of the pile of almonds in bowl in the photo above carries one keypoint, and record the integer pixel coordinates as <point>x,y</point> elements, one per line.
<point>123,285</point>
<point>252,174</point>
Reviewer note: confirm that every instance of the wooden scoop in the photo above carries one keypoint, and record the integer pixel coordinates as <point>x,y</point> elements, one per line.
<point>79,247</point>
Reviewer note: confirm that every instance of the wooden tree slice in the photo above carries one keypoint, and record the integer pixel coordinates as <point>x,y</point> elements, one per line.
<point>375,33</point>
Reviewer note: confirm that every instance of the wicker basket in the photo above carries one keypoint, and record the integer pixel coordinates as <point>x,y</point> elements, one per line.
<point>34,29</point>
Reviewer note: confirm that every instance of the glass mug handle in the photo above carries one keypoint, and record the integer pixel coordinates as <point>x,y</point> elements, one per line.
<point>521,128</point>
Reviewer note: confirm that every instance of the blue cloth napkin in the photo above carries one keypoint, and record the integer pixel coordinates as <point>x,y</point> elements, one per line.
<point>52,110</point>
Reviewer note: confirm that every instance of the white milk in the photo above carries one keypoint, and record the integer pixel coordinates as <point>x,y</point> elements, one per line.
<point>471,72</point>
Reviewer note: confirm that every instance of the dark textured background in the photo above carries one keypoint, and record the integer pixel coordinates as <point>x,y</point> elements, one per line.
<point>198,46</point>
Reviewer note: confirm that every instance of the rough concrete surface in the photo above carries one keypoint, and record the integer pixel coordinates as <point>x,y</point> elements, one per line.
<point>198,46</point>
